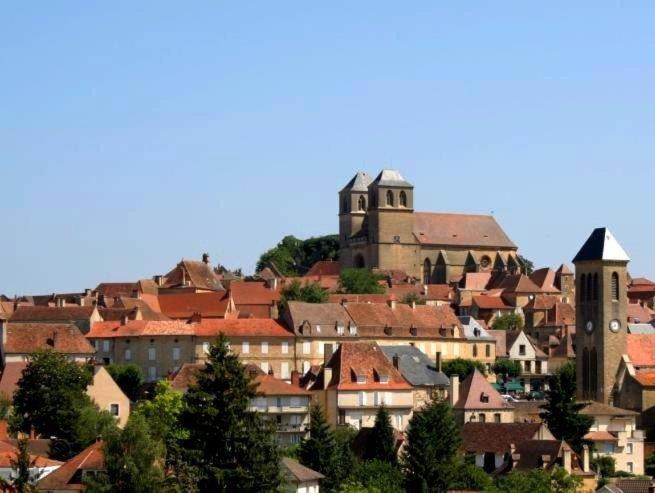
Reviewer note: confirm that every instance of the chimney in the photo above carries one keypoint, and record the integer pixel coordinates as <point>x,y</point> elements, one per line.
<point>392,304</point>
<point>438,361</point>
<point>395,360</point>
<point>272,284</point>
<point>567,459</point>
<point>413,305</point>
<point>454,389</point>
<point>295,378</point>
<point>159,280</point>
<point>82,300</point>
<point>585,458</point>
<point>87,292</point>
<point>60,302</point>
<point>205,258</point>
<point>124,318</point>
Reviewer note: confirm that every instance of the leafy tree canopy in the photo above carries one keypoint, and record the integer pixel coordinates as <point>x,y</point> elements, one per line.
<point>377,475</point>
<point>507,368</point>
<point>294,257</point>
<point>412,297</point>
<point>538,481</point>
<point>562,412</point>
<point>508,321</point>
<point>462,367</point>
<point>128,377</point>
<point>309,293</point>
<point>360,281</point>
<point>529,265</point>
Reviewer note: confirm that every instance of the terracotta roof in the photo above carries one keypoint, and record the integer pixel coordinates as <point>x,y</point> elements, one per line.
<point>361,298</point>
<point>532,452</point>
<point>90,459</point>
<point>542,302</point>
<point>518,283</point>
<point>8,453</point>
<point>564,349</point>
<point>184,305</point>
<point>641,349</point>
<point>501,341</point>
<point>475,392</point>
<point>593,408</point>
<point>564,270</point>
<point>185,376</point>
<point>52,313</point>
<point>475,281</point>
<point>645,378</point>
<point>460,230</point>
<point>485,302</point>
<point>429,292</point>
<point>638,314</point>
<point>364,359</point>
<point>193,273</point>
<point>25,338</point>
<point>496,437</point>
<point>564,314</point>
<point>545,279</point>
<point>269,385</point>
<point>254,327</point>
<point>114,289</point>
<point>324,268</point>
<point>253,293</point>
<point>296,472</point>
<point>600,436</point>
<point>11,373</point>
<point>325,315</point>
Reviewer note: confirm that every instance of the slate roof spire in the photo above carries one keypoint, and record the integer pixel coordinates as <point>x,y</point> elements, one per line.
<point>359,182</point>
<point>601,245</point>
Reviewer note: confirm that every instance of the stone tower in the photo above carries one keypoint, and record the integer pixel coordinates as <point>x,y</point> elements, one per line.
<point>601,315</point>
<point>353,204</point>
<point>391,222</point>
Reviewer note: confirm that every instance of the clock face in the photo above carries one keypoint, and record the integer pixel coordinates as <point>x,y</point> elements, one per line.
<point>589,327</point>
<point>615,325</point>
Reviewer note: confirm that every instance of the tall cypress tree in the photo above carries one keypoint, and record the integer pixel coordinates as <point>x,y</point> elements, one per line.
<point>381,444</point>
<point>231,447</point>
<point>319,451</point>
<point>432,441</point>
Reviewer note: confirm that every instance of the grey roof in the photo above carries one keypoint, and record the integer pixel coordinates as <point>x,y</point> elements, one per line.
<point>391,178</point>
<point>325,315</point>
<point>473,330</point>
<point>297,473</point>
<point>601,245</point>
<point>415,366</point>
<point>359,182</point>
<point>641,329</point>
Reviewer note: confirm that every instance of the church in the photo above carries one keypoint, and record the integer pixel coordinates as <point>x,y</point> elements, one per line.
<point>379,229</point>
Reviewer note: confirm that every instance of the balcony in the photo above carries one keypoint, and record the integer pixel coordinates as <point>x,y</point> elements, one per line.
<point>291,428</point>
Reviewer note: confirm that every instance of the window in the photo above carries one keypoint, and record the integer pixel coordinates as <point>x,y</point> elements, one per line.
<point>176,354</point>
<point>264,366</point>
<point>152,354</point>
<point>475,350</point>
<point>630,467</point>
<point>284,370</point>
<point>362,398</point>
<point>487,350</point>
<point>389,198</point>
<point>152,373</point>
<point>128,354</point>
<point>306,347</point>
<point>496,417</point>
<point>528,366</point>
<point>403,199</point>
<point>594,287</point>
<point>485,262</point>
<point>342,417</point>
<point>384,378</point>
<point>522,349</point>
<point>353,330</point>
<point>398,418</point>
<point>361,203</point>
<point>305,367</point>
<point>285,347</point>
<point>295,402</point>
<point>205,347</point>
<point>264,347</point>
<point>615,286</point>
<point>318,329</point>
<point>105,346</point>
<point>361,378</point>
<point>245,347</point>
<point>321,348</point>
<point>427,271</point>
<point>628,448</point>
<point>482,418</point>
<point>340,330</point>
<point>114,409</point>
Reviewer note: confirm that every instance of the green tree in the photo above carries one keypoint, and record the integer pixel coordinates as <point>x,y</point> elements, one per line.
<point>24,465</point>
<point>604,465</point>
<point>309,293</point>
<point>128,377</point>
<point>462,476</point>
<point>508,321</point>
<point>379,475</point>
<point>320,451</point>
<point>162,413</point>
<point>344,436</point>
<point>413,297</point>
<point>508,368</point>
<point>381,444</point>
<point>231,447</point>
<point>562,412</point>
<point>650,465</point>
<point>353,486</point>
<point>91,424</point>
<point>528,264</point>
<point>360,281</point>
<point>462,367</point>
<point>538,481</point>
<point>432,441</point>
<point>294,257</point>
<point>50,398</point>
<point>131,458</point>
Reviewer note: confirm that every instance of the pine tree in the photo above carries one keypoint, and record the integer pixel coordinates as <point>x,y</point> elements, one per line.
<point>432,441</point>
<point>231,447</point>
<point>319,451</point>
<point>23,465</point>
<point>381,445</point>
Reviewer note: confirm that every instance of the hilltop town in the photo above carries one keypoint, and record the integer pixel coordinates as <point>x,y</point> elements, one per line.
<point>547,370</point>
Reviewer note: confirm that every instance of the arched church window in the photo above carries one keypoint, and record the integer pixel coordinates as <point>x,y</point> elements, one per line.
<point>427,271</point>
<point>593,373</point>
<point>485,262</point>
<point>389,198</point>
<point>403,199</point>
<point>344,205</point>
<point>589,287</point>
<point>475,350</point>
<point>615,286</point>
<point>361,204</point>
<point>440,271</point>
<point>583,287</point>
<point>585,373</point>
<point>594,293</point>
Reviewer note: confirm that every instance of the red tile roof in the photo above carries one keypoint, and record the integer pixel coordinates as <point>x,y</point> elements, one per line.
<point>542,302</point>
<point>367,359</point>
<point>254,327</point>
<point>645,378</point>
<point>545,279</point>
<point>518,283</point>
<point>324,268</point>
<point>600,436</point>
<point>501,341</point>
<point>269,385</point>
<point>496,437</point>
<point>184,305</point>
<point>361,298</point>
<point>52,313</point>
<point>429,292</point>
<point>641,349</point>
<point>460,230</point>
<point>11,373</point>
<point>25,338</point>
<point>475,281</point>
<point>195,274</point>
<point>475,392</point>
<point>90,459</point>
<point>253,293</point>
<point>111,290</point>
<point>9,452</point>
<point>638,314</point>
<point>485,302</point>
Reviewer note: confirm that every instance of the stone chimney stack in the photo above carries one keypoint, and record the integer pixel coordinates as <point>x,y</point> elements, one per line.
<point>124,318</point>
<point>205,258</point>
<point>395,361</point>
<point>60,302</point>
<point>438,361</point>
<point>454,389</point>
<point>585,458</point>
<point>392,304</point>
<point>567,459</point>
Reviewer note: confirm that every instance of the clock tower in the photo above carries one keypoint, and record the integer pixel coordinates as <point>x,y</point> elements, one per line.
<point>601,315</point>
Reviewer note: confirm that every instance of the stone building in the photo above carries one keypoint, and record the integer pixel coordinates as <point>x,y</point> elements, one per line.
<point>378,228</point>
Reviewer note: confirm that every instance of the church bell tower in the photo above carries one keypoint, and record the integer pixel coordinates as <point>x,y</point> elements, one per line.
<point>601,315</point>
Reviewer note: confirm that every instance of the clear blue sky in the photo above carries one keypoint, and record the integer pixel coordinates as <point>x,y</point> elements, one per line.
<point>133,134</point>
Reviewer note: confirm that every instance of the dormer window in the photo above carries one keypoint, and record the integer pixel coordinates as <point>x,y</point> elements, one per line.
<point>484,397</point>
<point>318,329</point>
<point>340,330</point>
<point>413,331</point>
<point>387,331</point>
<point>360,378</point>
<point>384,378</point>
<point>353,330</point>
